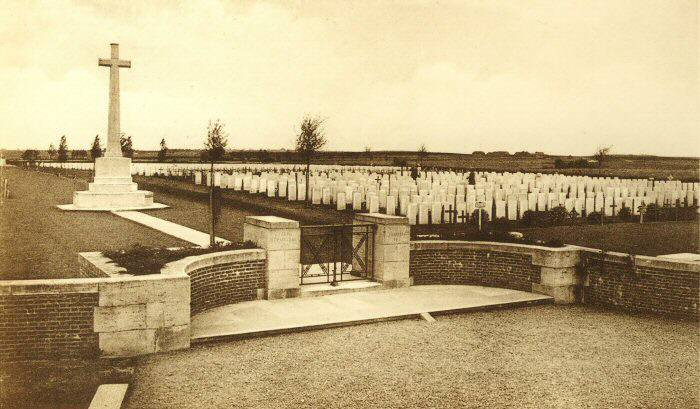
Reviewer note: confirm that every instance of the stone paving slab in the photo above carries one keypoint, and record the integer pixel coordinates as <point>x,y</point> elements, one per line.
<point>265,317</point>
<point>177,230</point>
<point>109,396</point>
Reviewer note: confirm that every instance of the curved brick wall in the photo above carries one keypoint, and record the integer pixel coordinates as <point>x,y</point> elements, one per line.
<point>223,278</point>
<point>475,263</point>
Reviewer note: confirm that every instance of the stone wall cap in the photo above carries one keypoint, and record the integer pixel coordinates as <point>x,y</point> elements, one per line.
<point>380,218</point>
<point>493,245</point>
<point>183,266</point>
<point>659,262</point>
<point>272,222</point>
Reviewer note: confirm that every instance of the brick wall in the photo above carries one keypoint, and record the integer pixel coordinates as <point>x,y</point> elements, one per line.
<point>86,318</point>
<point>223,278</point>
<point>226,283</point>
<point>37,326</point>
<point>468,266</point>
<point>643,284</point>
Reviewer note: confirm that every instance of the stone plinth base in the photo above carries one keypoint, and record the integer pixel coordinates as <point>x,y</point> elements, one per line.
<point>72,207</point>
<point>112,189</point>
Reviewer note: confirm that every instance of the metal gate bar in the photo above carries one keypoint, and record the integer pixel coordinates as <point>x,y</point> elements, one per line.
<point>336,252</point>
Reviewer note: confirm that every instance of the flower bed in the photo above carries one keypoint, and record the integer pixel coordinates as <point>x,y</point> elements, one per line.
<point>141,260</point>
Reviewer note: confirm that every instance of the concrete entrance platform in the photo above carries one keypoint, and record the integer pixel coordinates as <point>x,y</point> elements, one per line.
<point>176,230</point>
<point>266,317</point>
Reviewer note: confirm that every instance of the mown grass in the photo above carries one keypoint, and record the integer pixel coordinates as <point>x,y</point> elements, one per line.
<point>649,239</point>
<point>536,357</point>
<point>37,240</point>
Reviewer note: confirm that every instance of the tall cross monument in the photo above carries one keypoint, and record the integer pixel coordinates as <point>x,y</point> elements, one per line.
<point>112,188</point>
<point>113,132</point>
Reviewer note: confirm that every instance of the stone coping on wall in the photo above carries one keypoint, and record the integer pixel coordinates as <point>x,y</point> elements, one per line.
<point>272,222</point>
<point>183,266</point>
<point>74,285</point>
<point>99,264</point>
<point>381,218</point>
<point>559,257</point>
<point>643,261</point>
<point>567,256</point>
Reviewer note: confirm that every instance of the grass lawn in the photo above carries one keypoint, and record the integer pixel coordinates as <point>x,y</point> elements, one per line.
<point>650,239</point>
<point>37,240</point>
<point>541,357</point>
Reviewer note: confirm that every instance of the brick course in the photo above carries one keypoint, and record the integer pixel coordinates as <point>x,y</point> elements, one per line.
<point>227,283</point>
<point>474,267</point>
<point>47,326</point>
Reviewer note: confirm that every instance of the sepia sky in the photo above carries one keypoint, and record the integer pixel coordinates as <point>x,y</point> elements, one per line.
<point>556,76</point>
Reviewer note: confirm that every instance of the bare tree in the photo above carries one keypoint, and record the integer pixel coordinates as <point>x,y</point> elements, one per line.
<point>214,150</point>
<point>422,153</point>
<point>601,154</point>
<point>309,141</point>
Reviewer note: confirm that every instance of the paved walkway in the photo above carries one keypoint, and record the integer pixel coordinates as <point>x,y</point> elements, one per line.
<point>297,314</point>
<point>173,229</point>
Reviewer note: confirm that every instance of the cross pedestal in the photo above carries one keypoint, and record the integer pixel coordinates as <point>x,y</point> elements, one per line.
<point>112,188</point>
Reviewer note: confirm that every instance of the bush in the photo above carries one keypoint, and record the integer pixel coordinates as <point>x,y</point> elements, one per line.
<point>594,217</point>
<point>501,223</point>
<point>558,215</point>
<point>625,214</point>
<point>573,215</point>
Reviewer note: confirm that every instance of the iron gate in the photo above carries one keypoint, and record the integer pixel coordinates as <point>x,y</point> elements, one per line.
<point>337,252</point>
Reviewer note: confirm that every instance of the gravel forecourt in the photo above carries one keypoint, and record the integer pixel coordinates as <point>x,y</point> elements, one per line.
<point>543,357</point>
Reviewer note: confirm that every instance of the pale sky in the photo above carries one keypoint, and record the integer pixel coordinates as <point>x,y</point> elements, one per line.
<point>556,76</point>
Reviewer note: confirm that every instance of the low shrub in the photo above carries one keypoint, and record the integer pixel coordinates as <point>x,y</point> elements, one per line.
<point>558,215</point>
<point>142,260</point>
<point>594,217</point>
<point>625,214</point>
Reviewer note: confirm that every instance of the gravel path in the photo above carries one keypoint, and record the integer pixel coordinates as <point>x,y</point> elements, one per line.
<point>544,357</point>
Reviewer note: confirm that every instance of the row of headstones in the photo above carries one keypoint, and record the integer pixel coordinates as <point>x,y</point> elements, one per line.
<point>574,186</point>
<point>417,206</point>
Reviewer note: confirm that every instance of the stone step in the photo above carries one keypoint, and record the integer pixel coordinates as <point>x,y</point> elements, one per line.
<point>317,290</point>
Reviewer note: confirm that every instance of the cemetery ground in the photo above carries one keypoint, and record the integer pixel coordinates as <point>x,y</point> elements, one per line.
<point>40,241</point>
<point>543,356</point>
<point>37,240</point>
<point>649,239</point>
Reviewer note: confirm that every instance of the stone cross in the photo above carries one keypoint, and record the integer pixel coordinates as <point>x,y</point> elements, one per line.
<point>114,148</point>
